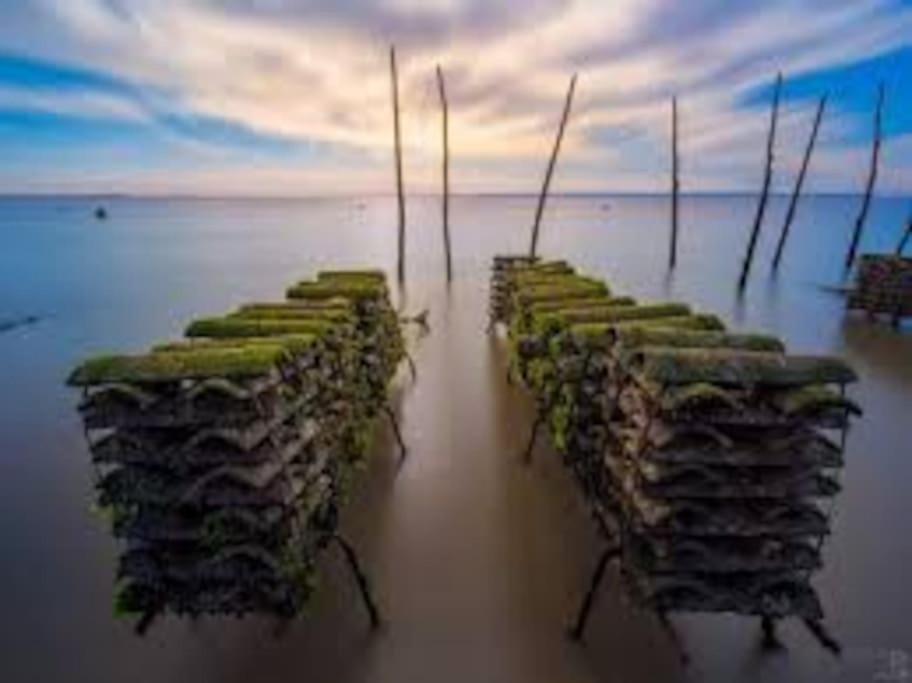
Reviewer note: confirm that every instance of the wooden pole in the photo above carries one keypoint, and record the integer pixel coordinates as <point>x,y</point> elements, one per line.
<point>872,179</point>
<point>550,171</point>
<point>675,185</point>
<point>904,240</point>
<point>398,148</point>
<point>446,174</point>
<point>796,193</point>
<point>767,179</point>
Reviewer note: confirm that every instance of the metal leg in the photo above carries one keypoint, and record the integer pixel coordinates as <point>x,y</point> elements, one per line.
<point>394,423</point>
<point>576,631</point>
<point>145,622</point>
<point>360,579</point>
<point>819,631</point>
<point>770,637</point>
<point>533,436</point>
<point>413,370</point>
<point>674,637</point>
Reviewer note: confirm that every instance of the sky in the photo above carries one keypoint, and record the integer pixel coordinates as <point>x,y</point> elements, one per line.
<point>293,97</point>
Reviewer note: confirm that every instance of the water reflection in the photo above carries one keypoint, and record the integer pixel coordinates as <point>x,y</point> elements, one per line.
<point>476,561</point>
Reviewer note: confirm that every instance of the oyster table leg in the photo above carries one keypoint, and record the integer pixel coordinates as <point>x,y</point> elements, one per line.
<point>351,558</point>
<point>582,617</point>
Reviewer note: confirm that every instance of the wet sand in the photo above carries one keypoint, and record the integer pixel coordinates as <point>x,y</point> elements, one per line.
<point>477,561</point>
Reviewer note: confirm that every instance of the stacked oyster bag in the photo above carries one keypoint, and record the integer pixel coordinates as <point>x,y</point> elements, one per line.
<point>503,281</point>
<point>556,321</point>
<point>582,395</point>
<point>500,275</point>
<point>705,454</point>
<point>222,459</point>
<point>726,448</point>
<point>883,285</point>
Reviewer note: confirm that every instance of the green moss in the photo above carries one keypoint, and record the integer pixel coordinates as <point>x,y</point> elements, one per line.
<point>372,275</point>
<point>294,313</point>
<point>541,267</point>
<point>564,288</point>
<point>637,336</point>
<point>230,328</point>
<point>581,303</point>
<point>545,279</point>
<point>126,606</point>
<point>335,304</point>
<point>697,321</point>
<point>293,343</point>
<point>813,398</point>
<point>609,314</point>
<point>356,289</point>
<point>168,366</point>
<point>738,368</point>
<point>560,420</point>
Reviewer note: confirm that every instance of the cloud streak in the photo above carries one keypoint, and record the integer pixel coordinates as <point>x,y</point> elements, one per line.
<point>305,84</point>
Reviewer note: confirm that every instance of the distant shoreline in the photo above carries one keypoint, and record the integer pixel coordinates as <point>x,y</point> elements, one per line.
<point>375,195</point>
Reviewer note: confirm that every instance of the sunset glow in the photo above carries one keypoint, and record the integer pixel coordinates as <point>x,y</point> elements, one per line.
<point>281,97</point>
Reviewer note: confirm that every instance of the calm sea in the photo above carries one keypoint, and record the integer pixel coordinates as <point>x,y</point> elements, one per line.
<point>478,562</point>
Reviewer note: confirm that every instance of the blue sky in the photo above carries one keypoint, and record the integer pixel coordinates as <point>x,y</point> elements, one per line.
<point>278,97</point>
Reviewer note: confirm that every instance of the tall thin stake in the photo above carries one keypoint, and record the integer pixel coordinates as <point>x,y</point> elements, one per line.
<point>398,145</point>
<point>550,171</point>
<point>767,179</point>
<point>872,179</point>
<point>446,174</point>
<point>904,240</point>
<point>675,185</point>
<point>796,193</point>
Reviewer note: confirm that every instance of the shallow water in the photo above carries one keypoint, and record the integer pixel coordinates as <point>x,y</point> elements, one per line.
<point>477,561</point>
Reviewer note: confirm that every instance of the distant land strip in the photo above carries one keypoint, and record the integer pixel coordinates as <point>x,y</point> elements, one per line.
<point>10,324</point>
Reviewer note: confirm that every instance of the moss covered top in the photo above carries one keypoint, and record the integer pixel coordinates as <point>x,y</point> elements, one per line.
<point>585,301</point>
<point>332,304</point>
<point>554,266</point>
<point>232,363</point>
<point>604,333</point>
<point>371,275</point>
<point>697,321</point>
<point>536,278</point>
<point>294,313</point>
<point>638,335</point>
<point>669,366</point>
<point>558,320</point>
<point>293,343</point>
<point>230,328</point>
<point>813,397</point>
<point>566,289</point>
<point>350,288</point>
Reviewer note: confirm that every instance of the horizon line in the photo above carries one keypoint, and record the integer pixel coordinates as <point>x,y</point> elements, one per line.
<point>189,196</point>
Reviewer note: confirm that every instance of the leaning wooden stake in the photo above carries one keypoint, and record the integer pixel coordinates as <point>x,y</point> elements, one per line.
<point>904,240</point>
<point>764,195</point>
<point>398,146</point>
<point>675,185</point>
<point>446,174</point>
<point>796,193</point>
<point>550,171</point>
<point>872,179</point>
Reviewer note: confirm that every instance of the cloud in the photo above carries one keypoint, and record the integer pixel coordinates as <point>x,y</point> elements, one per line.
<point>308,83</point>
